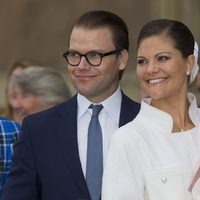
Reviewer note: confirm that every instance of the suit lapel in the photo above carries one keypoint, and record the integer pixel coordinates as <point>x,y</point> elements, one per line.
<point>65,125</point>
<point>129,110</point>
<point>66,133</point>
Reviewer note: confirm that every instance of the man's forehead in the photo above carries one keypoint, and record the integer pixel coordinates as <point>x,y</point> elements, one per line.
<point>91,38</point>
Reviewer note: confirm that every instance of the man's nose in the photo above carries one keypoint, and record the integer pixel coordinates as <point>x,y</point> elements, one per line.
<point>84,64</point>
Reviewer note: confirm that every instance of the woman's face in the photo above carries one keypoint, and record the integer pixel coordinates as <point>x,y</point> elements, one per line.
<point>23,103</point>
<point>161,69</point>
<point>17,70</point>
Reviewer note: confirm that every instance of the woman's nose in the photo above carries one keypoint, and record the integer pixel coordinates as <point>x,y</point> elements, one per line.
<point>152,67</point>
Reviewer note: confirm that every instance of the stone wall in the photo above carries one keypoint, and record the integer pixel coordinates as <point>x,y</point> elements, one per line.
<point>39,29</point>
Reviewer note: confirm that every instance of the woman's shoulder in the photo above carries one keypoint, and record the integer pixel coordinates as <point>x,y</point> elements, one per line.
<point>131,130</point>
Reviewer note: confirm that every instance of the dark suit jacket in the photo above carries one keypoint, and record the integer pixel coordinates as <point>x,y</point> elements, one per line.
<point>46,164</point>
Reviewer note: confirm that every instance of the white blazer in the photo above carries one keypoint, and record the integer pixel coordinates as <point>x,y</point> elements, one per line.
<point>147,162</point>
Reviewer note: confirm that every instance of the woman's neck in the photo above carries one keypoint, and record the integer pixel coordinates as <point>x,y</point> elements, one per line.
<point>178,109</point>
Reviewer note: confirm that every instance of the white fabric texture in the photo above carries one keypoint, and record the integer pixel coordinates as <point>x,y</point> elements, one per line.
<point>147,161</point>
<point>195,68</point>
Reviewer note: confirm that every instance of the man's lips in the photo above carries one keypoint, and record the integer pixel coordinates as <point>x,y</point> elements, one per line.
<point>85,77</point>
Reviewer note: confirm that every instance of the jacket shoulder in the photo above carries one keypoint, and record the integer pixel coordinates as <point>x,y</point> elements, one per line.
<point>60,109</point>
<point>128,102</point>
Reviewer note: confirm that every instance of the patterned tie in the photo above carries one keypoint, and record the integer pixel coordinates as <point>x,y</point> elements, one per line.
<point>94,169</point>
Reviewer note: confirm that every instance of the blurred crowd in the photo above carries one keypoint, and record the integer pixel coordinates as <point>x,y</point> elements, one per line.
<point>30,88</point>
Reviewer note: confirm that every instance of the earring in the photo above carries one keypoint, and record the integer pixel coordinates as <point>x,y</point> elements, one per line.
<point>188,72</point>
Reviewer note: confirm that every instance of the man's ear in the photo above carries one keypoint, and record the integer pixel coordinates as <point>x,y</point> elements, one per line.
<point>123,59</point>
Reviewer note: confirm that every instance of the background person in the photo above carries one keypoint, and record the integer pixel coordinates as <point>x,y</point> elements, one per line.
<point>9,133</point>
<point>156,155</point>
<point>31,90</point>
<point>35,89</point>
<point>51,159</point>
<point>15,68</point>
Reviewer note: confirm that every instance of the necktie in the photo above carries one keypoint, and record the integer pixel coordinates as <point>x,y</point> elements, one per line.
<point>94,168</point>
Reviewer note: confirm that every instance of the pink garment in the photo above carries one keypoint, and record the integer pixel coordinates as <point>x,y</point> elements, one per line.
<point>195,186</point>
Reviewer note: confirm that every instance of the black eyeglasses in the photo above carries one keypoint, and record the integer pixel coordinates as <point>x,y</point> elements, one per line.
<point>93,58</point>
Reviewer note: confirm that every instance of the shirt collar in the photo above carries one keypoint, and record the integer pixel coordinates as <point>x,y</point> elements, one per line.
<point>162,119</point>
<point>112,105</point>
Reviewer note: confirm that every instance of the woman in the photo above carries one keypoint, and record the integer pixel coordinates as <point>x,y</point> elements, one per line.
<point>35,89</point>
<point>15,68</point>
<point>155,156</point>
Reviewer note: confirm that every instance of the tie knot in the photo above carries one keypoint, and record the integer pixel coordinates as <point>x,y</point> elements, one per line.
<point>96,109</point>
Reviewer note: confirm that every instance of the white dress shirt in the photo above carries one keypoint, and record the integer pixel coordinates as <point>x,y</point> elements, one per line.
<point>108,118</point>
<point>147,161</point>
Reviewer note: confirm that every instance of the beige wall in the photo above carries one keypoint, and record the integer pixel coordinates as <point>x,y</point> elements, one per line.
<point>39,29</point>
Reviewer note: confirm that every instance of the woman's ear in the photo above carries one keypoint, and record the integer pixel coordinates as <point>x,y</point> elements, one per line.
<point>190,61</point>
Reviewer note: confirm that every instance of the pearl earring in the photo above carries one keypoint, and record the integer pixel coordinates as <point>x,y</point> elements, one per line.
<point>188,72</point>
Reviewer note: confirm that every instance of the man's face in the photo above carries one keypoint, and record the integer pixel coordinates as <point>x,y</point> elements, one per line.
<point>99,82</point>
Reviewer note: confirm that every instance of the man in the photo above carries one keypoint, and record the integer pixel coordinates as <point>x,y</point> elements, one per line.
<point>9,132</point>
<point>53,157</point>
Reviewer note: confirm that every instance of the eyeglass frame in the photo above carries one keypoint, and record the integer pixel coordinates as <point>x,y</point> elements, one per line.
<point>102,55</point>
